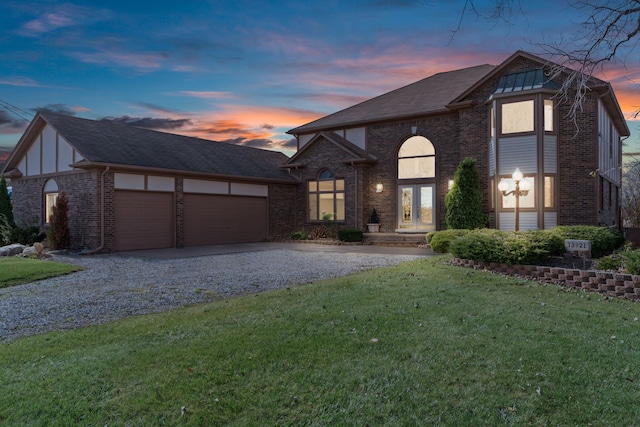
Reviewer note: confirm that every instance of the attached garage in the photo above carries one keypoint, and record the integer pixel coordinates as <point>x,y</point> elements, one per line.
<point>220,212</point>
<point>217,219</point>
<point>143,220</point>
<point>130,188</point>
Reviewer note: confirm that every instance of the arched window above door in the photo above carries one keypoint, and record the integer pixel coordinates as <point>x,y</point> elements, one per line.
<point>416,159</point>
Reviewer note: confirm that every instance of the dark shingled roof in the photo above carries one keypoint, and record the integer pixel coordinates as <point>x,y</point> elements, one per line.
<point>112,143</point>
<point>428,95</point>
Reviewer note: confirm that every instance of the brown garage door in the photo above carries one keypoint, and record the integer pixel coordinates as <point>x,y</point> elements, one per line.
<point>216,219</point>
<point>143,220</point>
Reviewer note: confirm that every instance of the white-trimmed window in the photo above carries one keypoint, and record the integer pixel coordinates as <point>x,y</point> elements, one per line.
<point>416,159</point>
<point>50,196</point>
<point>518,117</point>
<point>548,115</point>
<point>326,198</point>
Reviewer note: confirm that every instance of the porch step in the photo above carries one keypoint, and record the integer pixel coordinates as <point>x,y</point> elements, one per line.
<point>394,239</point>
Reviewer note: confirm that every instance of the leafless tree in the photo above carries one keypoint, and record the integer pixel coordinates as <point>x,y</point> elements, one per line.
<point>609,31</point>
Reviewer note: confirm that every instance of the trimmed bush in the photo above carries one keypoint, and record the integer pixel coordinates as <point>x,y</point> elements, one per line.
<point>632,262</point>
<point>27,235</point>
<point>441,240</point>
<point>611,262</point>
<point>604,240</point>
<point>477,246</point>
<point>299,235</point>
<point>429,236</point>
<point>548,240</point>
<point>350,235</point>
<point>489,245</point>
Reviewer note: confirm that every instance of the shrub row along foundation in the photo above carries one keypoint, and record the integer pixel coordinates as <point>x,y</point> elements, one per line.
<point>603,282</point>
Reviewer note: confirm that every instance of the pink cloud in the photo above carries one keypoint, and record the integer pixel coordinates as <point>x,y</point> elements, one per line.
<point>62,16</point>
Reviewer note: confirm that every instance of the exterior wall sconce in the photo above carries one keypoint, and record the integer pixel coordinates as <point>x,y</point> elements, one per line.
<point>522,189</point>
<point>450,184</point>
<point>379,188</point>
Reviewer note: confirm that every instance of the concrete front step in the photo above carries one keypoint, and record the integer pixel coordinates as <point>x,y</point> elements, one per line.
<point>394,239</point>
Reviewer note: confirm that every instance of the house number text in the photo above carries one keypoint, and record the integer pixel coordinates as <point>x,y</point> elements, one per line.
<point>577,245</point>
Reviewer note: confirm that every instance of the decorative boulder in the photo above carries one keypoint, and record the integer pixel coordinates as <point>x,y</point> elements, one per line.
<point>28,251</point>
<point>12,250</point>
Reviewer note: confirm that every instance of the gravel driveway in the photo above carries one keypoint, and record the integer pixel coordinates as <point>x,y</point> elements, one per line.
<point>112,287</point>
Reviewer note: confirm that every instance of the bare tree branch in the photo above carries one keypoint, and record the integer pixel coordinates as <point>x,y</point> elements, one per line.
<point>609,31</point>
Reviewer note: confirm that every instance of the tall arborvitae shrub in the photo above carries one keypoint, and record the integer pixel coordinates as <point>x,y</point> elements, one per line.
<point>463,203</point>
<point>58,234</point>
<point>6,207</point>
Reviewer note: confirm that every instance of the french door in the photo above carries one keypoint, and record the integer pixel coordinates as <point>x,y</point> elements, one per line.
<point>416,208</point>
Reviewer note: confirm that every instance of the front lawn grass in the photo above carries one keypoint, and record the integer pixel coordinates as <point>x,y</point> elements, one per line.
<point>422,343</point>
<point>16,270</point>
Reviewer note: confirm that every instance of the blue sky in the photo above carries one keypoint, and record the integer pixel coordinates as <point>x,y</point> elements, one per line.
<point>248,71</point>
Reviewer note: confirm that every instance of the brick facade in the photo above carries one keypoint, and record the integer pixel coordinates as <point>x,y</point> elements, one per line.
<point>581,198</point>
<point>326,155</point>
<point>82,190</point>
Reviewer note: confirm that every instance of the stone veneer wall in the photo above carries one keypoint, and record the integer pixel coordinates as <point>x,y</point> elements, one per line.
<point>603,282</point>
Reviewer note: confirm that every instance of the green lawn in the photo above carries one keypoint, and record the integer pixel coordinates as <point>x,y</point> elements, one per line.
<point>418,344</point>
<point>16,270</point>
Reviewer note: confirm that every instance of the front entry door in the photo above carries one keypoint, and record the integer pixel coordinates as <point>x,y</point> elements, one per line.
<point>416,211</point>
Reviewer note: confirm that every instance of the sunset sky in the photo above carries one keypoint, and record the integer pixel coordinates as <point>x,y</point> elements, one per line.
<point>248,71</point>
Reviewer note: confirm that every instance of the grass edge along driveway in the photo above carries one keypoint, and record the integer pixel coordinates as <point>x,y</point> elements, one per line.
<point>17,270</point>
<point>422,343</point>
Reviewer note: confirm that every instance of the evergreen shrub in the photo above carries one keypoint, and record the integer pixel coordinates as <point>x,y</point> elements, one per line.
<point>350,235</point>
<point>463,203</point>
<point>441,240</point>
<point>58,233</point>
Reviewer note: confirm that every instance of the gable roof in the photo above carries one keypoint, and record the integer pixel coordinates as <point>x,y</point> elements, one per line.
<point>603,88</point>
<point>106,143</point>
<point>353,153</point>
<point>439,91</point>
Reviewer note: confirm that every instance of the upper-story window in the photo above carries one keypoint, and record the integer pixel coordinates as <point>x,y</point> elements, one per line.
<point>518,117</point>
<point>522,115</point>
<point>548,115</point>
<point>326,197</point>
<point>416,159</point>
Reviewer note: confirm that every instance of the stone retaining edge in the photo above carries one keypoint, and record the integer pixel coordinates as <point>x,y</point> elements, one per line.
<point>603,282</point>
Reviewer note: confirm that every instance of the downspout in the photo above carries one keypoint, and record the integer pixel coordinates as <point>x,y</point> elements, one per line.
<point>99,248</point>
<point>357,218</point>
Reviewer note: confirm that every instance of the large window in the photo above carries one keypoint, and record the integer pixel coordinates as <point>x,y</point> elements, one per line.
<point>50,196</point>
<point>526,202</point>
<point>517,117</point>
<point>326,198</point>
<point>416,159</point>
